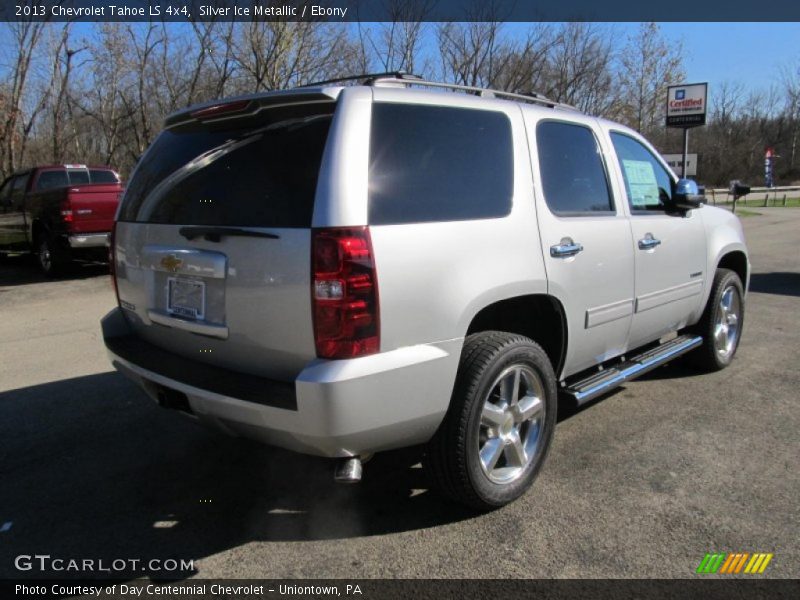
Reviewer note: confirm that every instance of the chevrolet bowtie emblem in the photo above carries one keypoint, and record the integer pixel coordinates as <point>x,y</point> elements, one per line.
<point>171,263</point>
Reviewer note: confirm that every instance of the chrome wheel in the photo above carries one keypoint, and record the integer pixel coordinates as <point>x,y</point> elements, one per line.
<point>511,423</point>
<point>45,259</point>
<point>727,323</point>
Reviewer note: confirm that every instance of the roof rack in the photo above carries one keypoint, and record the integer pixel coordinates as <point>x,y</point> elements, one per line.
<point>365,78</point>
<point>401,77</point>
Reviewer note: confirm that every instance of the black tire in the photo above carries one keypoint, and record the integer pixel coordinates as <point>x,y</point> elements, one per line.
<point>452,456</point>
<point>709,356</point>
<point>51,258</point>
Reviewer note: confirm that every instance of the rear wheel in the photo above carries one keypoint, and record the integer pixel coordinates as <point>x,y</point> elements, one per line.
<point>51,258</point>
<point>500,423</point>
<point>721,323</point>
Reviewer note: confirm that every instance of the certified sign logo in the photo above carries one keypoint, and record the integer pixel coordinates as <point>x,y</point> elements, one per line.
<point>687,105</point>
<point>171,263</point>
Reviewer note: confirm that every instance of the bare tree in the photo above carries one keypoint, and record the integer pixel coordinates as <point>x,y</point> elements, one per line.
<point>523,66</point>
<point>215,40</point>
<point>15,130</point>
<point>275,55</point>
<point>469,51</point>
<point>60,109</point>
<point>580,68</point>
<point>100,99</point>
<point>648,65</point>
<point>137,98</point>
<point>395,44</point>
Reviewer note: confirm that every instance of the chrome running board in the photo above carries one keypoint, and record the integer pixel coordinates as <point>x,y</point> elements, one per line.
<point>597,384</point>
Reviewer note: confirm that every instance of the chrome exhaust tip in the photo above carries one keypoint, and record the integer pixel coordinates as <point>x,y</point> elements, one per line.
<point>348,470</point>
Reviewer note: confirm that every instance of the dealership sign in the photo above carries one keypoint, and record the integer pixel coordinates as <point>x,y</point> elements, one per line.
<point>686,105</point>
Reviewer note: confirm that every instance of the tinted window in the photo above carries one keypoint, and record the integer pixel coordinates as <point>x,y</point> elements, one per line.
<point>103,176</point>
<point>430,163</point>
<point>52,179</point>
<point>262,175</point>
<point>647,182</point>
<point>572,171</point>
<point>78,177</point>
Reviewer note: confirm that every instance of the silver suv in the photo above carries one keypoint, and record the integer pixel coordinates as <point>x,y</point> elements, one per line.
<point>342,270</point>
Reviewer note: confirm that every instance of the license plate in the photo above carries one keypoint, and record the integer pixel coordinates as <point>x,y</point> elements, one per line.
<point>186,298</point>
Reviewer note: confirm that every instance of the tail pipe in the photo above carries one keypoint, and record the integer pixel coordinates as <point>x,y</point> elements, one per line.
<point>348,470</point>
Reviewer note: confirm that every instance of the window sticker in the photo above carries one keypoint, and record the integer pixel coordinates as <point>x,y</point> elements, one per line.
<point>642,183</point>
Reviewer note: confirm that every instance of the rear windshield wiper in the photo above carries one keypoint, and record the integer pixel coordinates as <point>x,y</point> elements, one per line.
<point>215,234</point>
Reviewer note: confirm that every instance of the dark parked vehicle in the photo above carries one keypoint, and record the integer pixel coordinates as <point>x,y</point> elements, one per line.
<point>59,213</point>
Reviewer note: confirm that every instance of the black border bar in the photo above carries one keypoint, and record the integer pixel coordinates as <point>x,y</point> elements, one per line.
<point>394,10</point>
<point>732,588</point>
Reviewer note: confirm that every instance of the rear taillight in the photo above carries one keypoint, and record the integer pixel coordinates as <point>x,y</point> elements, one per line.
<point>112,258</point>
<point>344,293</point>
<point>66,211</point>
<point>219,110</point>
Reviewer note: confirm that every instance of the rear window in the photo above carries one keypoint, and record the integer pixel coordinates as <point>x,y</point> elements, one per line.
<point>433,163</point>
<point>255,174</point>
<point>78,176</point>
<point>53,178</point>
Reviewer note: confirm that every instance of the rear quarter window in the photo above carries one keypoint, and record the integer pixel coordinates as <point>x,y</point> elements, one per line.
<point>433,163</point>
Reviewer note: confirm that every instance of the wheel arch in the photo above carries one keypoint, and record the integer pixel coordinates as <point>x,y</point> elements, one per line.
<point>540,317</point>
<point>736,261</point>
<point>38,228</point>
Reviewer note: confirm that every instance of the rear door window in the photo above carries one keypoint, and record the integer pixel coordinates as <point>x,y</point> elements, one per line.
<point>52,178</point>
<point>255,175</point>
<point>433,163</point>
<point>573,174</point>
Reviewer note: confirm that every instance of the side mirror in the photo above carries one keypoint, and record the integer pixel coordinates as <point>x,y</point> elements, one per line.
<point>686,195</point>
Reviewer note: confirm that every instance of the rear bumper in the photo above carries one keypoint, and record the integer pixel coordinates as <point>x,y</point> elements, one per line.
<point>88,240</point>
<point>333,408</point>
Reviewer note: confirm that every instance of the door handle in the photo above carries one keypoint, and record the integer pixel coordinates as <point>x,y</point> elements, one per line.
<point>565,248</point>
<point>648,242</point>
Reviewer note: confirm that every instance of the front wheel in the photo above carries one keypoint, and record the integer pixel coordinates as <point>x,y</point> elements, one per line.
<point>500,423</point>
<point>721,323</point>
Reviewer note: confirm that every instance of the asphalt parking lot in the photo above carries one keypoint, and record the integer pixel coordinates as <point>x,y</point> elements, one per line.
<point>641,483</point>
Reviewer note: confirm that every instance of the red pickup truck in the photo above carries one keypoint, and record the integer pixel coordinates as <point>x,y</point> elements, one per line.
<point>59,213</point>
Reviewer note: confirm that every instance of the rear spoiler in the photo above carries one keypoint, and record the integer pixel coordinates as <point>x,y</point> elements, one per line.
<point>241,106</point>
